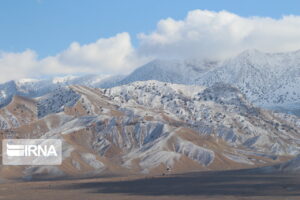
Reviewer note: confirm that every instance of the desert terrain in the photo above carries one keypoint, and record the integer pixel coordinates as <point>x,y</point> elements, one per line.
<point>231,185</point>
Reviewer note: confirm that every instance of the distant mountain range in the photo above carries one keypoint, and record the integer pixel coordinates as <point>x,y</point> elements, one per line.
<point>33,88</point>
<point>268,80</point>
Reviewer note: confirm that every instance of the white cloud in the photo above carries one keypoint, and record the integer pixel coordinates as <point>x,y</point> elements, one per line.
<point>207,34</point>
<point>202,34</point>
<point>17,65</point>
<point>114,55</point>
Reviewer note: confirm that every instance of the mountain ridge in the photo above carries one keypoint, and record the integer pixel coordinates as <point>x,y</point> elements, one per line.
<point>269,80</point>
<point>152,127</point>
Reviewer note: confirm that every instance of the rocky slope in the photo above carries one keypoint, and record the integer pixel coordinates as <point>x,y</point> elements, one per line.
<point>150,127</point>
<point>264,78</point>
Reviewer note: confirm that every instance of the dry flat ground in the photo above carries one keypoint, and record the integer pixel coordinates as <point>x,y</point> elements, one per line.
<point>201,185</point>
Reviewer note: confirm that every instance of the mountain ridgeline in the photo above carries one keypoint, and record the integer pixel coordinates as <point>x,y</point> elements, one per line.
<point>268,80</point>
<point>165,117</point>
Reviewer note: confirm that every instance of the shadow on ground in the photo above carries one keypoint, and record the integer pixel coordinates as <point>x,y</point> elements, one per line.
<point>236,183</point>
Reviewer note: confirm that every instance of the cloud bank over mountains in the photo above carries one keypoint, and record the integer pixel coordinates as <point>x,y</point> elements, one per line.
<point>114,55</point>
<point>202,34</point>
<point>220,34</point>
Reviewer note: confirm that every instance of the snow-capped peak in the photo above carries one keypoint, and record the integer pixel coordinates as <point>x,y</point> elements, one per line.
<point>26,80</point>
<point>63,79</point>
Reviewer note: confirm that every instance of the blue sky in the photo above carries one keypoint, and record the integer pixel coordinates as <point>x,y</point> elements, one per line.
<point>46,38</point>
<point>49,26</point>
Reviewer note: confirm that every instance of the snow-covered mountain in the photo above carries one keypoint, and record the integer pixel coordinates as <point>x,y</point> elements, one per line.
<point>264,78</point>
<point>171,71</point>
<point>165,117</point>
<point>33,88</point>
<point>150,127</point>
<point>268,80</point>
